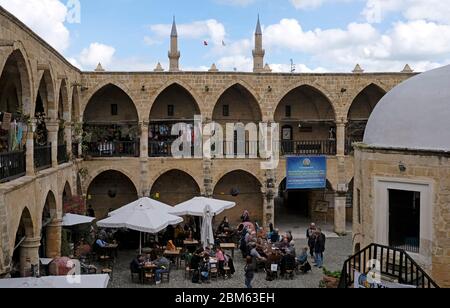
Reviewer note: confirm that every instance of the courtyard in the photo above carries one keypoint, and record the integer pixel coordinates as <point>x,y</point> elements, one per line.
<point>338,250</point>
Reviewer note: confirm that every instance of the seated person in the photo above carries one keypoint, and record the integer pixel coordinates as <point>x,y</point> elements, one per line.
<point>287,264</point>
<point>204,270</point>
<point>275,237</point>
<point>163,266</point>
<point>101,243</point>
<point>258,260</point>
<point>224,226</point>
<point>88,269</point>
<point>136,265</point>
<point>303,263</point>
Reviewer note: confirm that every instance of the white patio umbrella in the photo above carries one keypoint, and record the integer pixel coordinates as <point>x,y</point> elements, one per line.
<point>145,218</point>
<point>197,206</point>
<point>143,201</point>
<point>207,234</point>
<point>70,220</point>
<point>57,282</point>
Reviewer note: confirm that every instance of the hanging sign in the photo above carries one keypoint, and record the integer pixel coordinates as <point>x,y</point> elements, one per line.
<point>306,172</point>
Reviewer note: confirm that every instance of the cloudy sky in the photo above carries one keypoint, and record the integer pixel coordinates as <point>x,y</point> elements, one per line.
<point>318,35</point>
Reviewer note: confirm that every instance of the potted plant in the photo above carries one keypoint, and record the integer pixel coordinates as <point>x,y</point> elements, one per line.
<point>330,279</point>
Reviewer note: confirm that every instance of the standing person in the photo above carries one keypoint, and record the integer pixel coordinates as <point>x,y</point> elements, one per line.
<point>319,248</point>
<point>311,236</point>
<point>323,240</point>
<point>221,259</point>
<point>249,272</point>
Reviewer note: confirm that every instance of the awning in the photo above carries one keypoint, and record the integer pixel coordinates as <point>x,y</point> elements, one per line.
<point>57,282</point>
<point>70,220</point>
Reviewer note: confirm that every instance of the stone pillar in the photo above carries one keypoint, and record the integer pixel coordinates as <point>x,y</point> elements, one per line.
<point>340,138</point>
<point>29,256</point>
<point>53,128</point>
<point>269,209</point>
<point>54,235</point>
<point>207,178</point>
<point>68,138</point>
<point>30,148</point>
<point>143,151</point>
<point>144,140</point>
<point>340,204</point>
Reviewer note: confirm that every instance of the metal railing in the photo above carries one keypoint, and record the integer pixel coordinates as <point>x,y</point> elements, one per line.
<point>62,154</point>
<point>12,165</point>
<point>163,149</point>
<point>113,149</point>
<point>313,147</point>
<point>43,157</point>
<point>393,262</point>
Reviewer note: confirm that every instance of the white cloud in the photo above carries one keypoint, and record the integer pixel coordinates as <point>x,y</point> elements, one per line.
<point>75,62</point>
<point>210,30</point>
<point>299,68</point>
<point>431,10</point>
<point>151,41</point>
<point>97,53</point>
<point>239,62</point>
<point>414,42</point>
<point>45,17</point>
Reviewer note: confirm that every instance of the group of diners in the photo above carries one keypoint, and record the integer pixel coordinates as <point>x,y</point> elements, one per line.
<point>275,252</point>
<point>150,266</point>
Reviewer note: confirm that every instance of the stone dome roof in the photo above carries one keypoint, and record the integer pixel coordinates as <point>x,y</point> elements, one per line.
<point>414,115</point>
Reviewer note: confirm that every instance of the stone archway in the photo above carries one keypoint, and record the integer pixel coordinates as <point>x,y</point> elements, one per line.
<point>111,123</point>
<point>109,191</point>
<point>175,104</point>
<point>15,89</point>
<point>24,257</point>
<point>360,111</point>
<point>66,197</point>
<point>50,228</point>
<point>237,105</point>
<point>174,187</point>
<point>245,189</point>
<point>308,122</point>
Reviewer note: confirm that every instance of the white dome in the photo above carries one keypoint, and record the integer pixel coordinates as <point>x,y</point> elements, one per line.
<point>414,115</point>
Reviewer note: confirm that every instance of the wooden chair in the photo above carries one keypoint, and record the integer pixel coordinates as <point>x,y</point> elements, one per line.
<point>214,272</point>
<point>165,277</point>
<point>227,272</point>
<point>108,271</point>
<point>149,277</point>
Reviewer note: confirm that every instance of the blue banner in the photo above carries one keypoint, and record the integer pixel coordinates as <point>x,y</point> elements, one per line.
<point>306,172</point>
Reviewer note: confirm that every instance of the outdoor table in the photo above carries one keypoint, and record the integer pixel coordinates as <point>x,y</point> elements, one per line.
<point>188,244</point>
<point>112,249</point>
<point>174,254</point>
<point>147,268</point>
<point>229,246</point>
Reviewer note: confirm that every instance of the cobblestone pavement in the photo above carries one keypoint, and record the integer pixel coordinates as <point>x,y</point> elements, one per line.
<point>338,250</point>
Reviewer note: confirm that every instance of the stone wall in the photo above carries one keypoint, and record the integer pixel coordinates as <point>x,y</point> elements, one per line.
<point>420,167</point>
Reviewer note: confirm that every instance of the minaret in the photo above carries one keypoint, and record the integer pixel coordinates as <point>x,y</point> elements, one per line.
<point>174,53</point>
<point>258,52</point>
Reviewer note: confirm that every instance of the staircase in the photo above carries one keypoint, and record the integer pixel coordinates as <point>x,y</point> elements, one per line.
<point>395,265</point>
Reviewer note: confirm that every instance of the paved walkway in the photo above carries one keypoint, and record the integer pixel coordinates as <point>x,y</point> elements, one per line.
<point>338,250</point>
